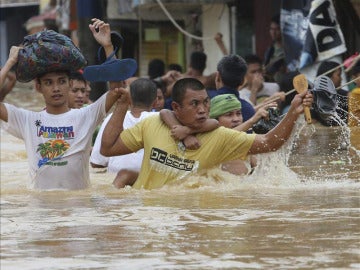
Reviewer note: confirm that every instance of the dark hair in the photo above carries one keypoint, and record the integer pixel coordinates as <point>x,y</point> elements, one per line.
<point>156,68</point>
<point>276,19</point>
<point>39,76</point>
<point>77,75</point>
<point>143,92</point>
<point>252,59</point>
<point>325,67</point>
<point>356,69</point>
<point>176,67</point>
<point>160,85</point>
<point>286,85</point>
<point>198,61</point>
<point>182,85</point>
<point>232,69</point>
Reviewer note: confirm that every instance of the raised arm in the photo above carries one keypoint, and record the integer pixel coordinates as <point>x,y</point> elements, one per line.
<point>11,61</point>
<point>8,85</point>
<point>102,34</point>
<point>220,43</point>
<point>276,137</point>
<point>261,112</point>
<point>111,143</point>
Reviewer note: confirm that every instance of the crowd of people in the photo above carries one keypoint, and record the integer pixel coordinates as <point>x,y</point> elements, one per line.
<point>168,125</point>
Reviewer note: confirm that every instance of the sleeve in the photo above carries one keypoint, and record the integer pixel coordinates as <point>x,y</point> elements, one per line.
<point>233,144</point>
<point>133,137</point>
<point>16,121</point>
<point>96,157</point>
<point>97,110</point>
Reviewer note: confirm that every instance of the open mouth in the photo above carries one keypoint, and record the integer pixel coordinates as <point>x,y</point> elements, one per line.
<point>57,96</point>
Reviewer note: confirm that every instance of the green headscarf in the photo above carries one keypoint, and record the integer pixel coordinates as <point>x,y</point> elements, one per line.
<point>222,104</point>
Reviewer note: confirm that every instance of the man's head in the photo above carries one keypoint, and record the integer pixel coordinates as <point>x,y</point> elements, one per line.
<point>55,87</point>
<point>231,70</point>
<point>160,97</point>
<point>227,110</point>
<point>143,93</point>
<point>275,31</point>
<point>156,68</point>
<point>355,71</point>
<point>191,102</point>
<point>198,61</point>
<point>254,67</point>
<point>77,94</point>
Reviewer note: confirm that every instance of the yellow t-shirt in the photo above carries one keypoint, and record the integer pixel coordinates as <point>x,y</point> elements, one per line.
<point>354,108</point>
<point>164,162</point>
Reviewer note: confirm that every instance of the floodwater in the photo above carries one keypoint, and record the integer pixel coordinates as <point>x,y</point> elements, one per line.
<point>304,215</point>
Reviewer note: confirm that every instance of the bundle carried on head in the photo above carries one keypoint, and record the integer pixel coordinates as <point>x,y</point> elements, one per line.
<point>47,51</point>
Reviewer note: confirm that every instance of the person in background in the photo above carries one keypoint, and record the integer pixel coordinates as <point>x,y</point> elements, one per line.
<point>256,90</point>
<point>230,73</point>
<point>175,67</point>
<point>227,110</point>
<point>77,95</point>
<point>156,68</point>
<point>159,102</point>
<point>196,69</point>
<point>127,167</point>
<point>276,49</point>
<point>87,94</point>
<point>342,95</point>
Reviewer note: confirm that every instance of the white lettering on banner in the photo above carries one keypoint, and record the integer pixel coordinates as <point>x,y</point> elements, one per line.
<point>327,34</point>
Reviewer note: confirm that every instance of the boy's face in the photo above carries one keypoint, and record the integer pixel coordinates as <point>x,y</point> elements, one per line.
<point>275,31</point>
<point>160,101</point>
<point>55,87</point>
<point>231,119</point>
<point>77,94</point>
<point>254,70</point>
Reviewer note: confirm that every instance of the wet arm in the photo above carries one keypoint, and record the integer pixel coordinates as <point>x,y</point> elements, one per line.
<point>260,113</point>
<point>111,143</point>
<point>276,137</point>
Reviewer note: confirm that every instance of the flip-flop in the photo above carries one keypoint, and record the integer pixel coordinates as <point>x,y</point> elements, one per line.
<point>325,100</point>
<point>117,40</point>
<point>111,70</point>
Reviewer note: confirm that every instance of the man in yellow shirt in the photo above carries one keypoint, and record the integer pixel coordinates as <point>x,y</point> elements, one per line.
<point>165,160</point>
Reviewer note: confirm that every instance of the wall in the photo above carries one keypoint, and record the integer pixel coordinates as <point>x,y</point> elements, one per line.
<point>215,18</point>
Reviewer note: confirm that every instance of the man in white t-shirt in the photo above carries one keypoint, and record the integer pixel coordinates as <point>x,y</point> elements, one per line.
<point>58,138</point>
<point>256,90</point>
<point>143,95</point>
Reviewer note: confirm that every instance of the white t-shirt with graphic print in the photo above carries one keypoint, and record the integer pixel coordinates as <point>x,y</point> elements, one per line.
<point>58,146</point>
<point>130,161</point>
